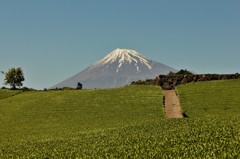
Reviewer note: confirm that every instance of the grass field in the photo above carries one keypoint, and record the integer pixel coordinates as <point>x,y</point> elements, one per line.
<point>52,115</point>
<point>214,99</point>
<point>5,93</point>
<point>126,122</point>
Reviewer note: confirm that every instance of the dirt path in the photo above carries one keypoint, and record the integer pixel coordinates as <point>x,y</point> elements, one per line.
<point>172,104</point>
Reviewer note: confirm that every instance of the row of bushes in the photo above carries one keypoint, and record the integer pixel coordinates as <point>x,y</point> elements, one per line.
<point>23,89</point>
<point>64,88</point>
<point>142,82</point>
<point>169,82</point>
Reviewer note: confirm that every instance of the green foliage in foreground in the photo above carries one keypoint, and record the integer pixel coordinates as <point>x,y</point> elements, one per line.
<point>162,139</point>
<point>206,134</point>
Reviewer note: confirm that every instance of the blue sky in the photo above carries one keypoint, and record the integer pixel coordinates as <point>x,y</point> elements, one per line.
<point>55,39</point>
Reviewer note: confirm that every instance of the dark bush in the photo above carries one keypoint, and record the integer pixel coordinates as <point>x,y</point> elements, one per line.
<point>27,89</point>
<point>184,72</point>
<point>141,82</point>
<point>68,88</point>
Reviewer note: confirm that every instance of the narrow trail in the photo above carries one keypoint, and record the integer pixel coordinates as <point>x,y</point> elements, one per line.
<point>172,105</point>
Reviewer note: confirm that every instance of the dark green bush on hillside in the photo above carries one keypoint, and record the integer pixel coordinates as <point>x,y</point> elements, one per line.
<point>68,88</point>
<point>184,72</point>
<point>140,82</point>
<point>27,89</point>
<point>181,72</point>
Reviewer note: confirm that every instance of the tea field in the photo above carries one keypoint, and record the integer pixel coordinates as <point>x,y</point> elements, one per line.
<point>126,122</point>
<point>213,99</point>
<point>5,93</point>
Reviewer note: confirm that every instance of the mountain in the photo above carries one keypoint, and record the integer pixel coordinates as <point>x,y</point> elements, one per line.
<point>118,68</point>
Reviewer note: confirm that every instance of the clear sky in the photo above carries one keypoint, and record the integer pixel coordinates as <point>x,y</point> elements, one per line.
<point>55,39</point>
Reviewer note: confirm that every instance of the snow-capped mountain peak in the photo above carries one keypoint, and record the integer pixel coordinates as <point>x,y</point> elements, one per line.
<point>122,56</point>
<point>120,67</point>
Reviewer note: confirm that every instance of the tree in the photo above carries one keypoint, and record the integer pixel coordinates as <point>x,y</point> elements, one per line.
<point>14,77</point>
<point>79,85</point>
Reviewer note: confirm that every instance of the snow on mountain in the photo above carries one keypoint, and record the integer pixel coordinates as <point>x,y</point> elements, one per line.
<point>122,56</point>
<point>118,68</point>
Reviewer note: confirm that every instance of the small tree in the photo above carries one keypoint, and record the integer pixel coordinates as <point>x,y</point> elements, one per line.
<point>14,77</point>
<point>79,85</point>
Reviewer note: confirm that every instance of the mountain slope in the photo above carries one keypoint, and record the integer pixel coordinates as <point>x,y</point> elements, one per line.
<point>119,68</point>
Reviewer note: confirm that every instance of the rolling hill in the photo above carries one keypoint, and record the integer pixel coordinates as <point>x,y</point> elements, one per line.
<point>126,122</point>
<point>44,115</point>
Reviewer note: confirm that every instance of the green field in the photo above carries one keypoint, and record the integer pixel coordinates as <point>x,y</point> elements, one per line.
<point>125,122</point>
<point>5,93</point>
<point>214,99</point>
